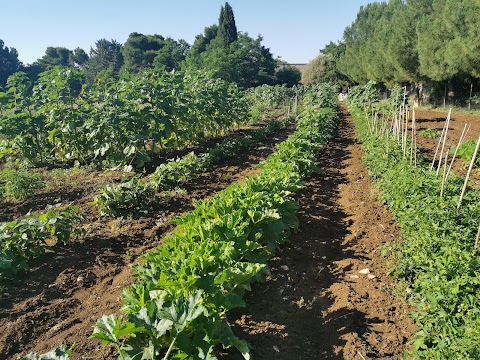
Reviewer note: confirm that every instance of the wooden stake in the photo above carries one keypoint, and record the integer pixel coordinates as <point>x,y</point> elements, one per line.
<point>415,144</point>
<point>412,149</point>
<point>478,238</point>
<point>444,141</point>
<point>405,137</point>
<point>468,174</point>
<point>444,177</point>
<point>438,146</point>
<point>460,141</point>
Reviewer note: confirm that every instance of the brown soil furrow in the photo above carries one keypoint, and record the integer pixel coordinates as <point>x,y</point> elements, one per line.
<point>67,290</point>
<point>318,303</point>
<point>80,184</point>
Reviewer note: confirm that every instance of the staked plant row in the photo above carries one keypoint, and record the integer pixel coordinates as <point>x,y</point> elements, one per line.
<point>436,259</point>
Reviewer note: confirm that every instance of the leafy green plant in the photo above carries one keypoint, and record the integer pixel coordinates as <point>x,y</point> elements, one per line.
<point>134,197</point>
<point>126,121</point>
<point>129,198</point>
<point>59,353</point>
<point>364,95</point>
<point>19,185</point>
<point>436,259</point>
<point>26,238</point>
<point>430,133</point>
<point>177,308</point>
<point>174,173</point>
<point>465,152</point>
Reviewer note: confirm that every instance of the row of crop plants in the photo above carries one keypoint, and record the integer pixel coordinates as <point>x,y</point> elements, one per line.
<point>28,237</point>
<point>115,122</point>
<point>177,308</point>
<point>133,197</point>
<point>25,238</point>
<point>437,258</point>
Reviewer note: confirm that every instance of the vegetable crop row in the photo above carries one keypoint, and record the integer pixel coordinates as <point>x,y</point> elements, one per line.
<point>436,259</point>
<point>134,197</point>
<point>116,122</point>
<point>177,308</point>
<point>23,239</point>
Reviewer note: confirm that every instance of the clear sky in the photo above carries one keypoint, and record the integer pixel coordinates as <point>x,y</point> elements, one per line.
<point>293,30</point>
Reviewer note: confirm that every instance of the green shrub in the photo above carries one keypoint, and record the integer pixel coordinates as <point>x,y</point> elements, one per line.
<point>19,185</point>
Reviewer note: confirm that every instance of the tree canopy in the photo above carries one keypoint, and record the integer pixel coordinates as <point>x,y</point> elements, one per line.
<point>9,62</point>
<point>288,75</point>
<point>105,58</point>
<point>142,52</point>
<point>221,50</point>
<point>61,56</point>
<point>202,40</point>
<point>235,56</point>
<point>227,29</point>
<point>413,41</point>
<point>324,68</point>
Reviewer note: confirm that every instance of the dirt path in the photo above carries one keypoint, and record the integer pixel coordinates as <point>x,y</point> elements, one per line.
<point>66,291</point>
<point>319,304</point>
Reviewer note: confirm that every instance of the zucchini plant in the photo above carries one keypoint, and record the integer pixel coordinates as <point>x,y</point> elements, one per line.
<point>26,238</point>
<point>177,308</point>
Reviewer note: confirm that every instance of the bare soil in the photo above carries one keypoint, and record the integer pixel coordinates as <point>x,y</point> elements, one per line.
<point>435,119</point>
<point>329,295</point>
<point>68,289</point>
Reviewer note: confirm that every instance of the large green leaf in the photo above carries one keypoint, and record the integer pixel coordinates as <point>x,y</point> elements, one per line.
<point>111,329</point>
<point>184,310</point>
<point>59,353</point>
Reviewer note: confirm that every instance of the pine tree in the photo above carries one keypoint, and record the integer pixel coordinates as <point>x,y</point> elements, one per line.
<point>227,30</point>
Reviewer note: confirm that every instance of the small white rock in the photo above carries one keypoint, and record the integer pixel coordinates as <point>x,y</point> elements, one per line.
<point>364,271</point>
<point>371,276</point>
<point>276,349</point>
<point>354,276</point>
<point>284,267</point>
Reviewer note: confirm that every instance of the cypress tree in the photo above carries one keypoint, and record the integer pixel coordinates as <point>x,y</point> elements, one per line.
<point>227,30</point>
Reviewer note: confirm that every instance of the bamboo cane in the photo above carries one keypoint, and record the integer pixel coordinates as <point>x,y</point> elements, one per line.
<point>405,136</point>
<point>415,145</point>
<point>468,175</point>
<point>438,146</point>
<point>444,177</point>
<point>478,238</point>
<point>460,141</point>
<point>412,142</point>
<point>444,142</point>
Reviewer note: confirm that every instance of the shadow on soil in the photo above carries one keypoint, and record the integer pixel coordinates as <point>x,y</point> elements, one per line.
<point>47,292</point>
<point>291,315</point>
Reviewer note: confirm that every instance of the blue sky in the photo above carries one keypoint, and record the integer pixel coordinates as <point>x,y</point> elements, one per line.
<point>293,30</point>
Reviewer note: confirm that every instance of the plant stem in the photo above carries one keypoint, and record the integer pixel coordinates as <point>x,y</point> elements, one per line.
<point>170,348</point>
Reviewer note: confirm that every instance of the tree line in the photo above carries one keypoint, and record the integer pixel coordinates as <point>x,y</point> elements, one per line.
<point>228,54</point>
<point>433,43</point>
